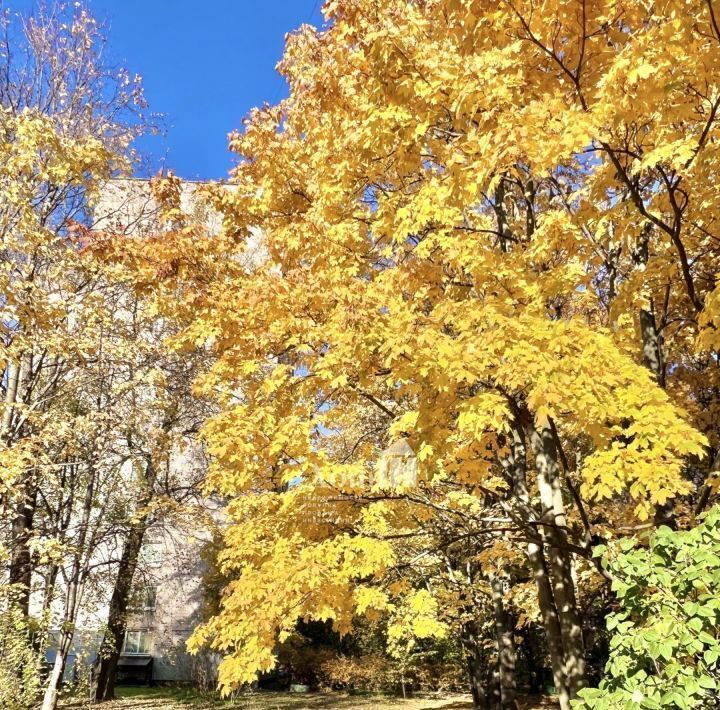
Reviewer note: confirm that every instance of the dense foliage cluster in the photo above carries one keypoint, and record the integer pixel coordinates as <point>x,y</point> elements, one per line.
<point>665,647</point>
<point>92,405</point>
<point>487,232</point>
<point>462,314</point>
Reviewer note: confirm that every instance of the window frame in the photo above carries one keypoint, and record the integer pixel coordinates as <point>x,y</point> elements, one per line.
<point>149,598</point>
<point>141,635</point>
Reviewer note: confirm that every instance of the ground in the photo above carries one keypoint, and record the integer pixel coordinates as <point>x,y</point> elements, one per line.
<point>175,699</point>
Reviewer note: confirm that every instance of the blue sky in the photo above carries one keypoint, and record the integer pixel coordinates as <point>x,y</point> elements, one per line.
<point>204,64</point>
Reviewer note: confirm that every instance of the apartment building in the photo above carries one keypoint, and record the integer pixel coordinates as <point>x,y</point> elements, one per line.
<point>167,598</point>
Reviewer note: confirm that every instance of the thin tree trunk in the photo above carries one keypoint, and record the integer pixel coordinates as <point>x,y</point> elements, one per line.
<point>72,601</point>
<point>20,572</point>
<point>651,338</point>
<point>59,531</point>
<point>49,589</point>
<point>505,646</point>
<point>117,616</point>
<point>655,362</point>
<point>13,378</point>
<point>652,349</point>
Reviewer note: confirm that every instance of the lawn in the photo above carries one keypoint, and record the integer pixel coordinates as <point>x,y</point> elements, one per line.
<point>131,698</point>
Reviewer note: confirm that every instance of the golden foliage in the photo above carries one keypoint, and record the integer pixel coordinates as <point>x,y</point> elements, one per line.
<point>470,212</point>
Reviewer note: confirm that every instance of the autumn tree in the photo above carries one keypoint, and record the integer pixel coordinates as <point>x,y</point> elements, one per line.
<point>155,415</point>
<point>490,229</point>
<point>67,124</point>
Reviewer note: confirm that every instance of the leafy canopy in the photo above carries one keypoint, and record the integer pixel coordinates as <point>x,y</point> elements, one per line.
<point>466,216</point>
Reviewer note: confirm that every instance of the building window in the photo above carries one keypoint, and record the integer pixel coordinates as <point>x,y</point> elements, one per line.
<point>137,643</point>
<point>151,554</point>
<point>149,598</point>
<point>143,599</point>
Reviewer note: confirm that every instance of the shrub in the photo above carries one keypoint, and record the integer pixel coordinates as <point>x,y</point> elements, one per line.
<point>665,643</point>
<point>20,660</point>
<point>370,672</point>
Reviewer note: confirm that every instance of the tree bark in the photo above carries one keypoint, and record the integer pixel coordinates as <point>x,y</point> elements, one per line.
<point>21,565</point>
<point>13,378</point>
<point>652,346</point>
<point>505,646</point>
<point>554,533</point>
<point>117,616</point>
<point>517,466</point>
<point>72,600</point>
<point>652,351</point>
<point>654,361</point>
<point>476,667</point>
<point>20,572</point>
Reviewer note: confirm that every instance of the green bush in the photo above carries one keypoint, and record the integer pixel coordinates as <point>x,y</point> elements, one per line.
<point>665,643</point>
<point>20,658</point>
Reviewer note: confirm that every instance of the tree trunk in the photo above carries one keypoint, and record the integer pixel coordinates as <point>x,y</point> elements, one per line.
<point>651,338</point>
<point>475,666</point>
<point>535,669</point>
<point>20,572</point>
<point>21,566</point>
<point>49,587</point>
<point>652,346</point>
<point>505,646</point>
<point>653,356</point>
<point>58,670</point>
<point>551,623</point>
<point>12,373</point>
<point>517,466</point>
<point>554,533</point>
<point>654,361</point>
<point>13,429</point>
<point>117,616</point>
<point>72,600</point>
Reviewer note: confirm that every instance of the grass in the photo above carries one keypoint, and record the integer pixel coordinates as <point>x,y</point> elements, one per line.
<point>136,698</point>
